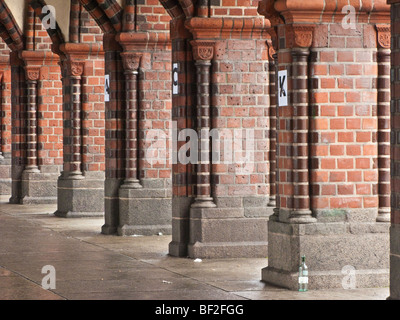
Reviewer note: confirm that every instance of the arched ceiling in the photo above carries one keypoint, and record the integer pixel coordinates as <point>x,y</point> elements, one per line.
<point>18,9</point>
<point>62,15</point>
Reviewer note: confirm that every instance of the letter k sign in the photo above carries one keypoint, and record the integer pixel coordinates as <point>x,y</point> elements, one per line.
<point>283,94</point>
<point>282,91</point>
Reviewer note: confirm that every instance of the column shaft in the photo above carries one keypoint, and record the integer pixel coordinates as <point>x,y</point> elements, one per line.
<point>131,66</point>
<point>31,134</point>
<point>384,134</point>
<point>273,121</point>
<point>132,154</point>
<point>203,194</point>
<point>301,212</point>
<point>75,163</point>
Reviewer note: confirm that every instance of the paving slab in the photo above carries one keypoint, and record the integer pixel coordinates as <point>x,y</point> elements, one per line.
<point>93,266</point>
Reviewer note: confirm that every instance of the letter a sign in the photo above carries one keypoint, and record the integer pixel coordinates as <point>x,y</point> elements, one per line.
<point>282,88</point>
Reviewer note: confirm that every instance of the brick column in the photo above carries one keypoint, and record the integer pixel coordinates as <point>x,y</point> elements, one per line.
<point>18,93</point>
<point>395,152</point>
<point>300,205</point>
<point>273,57</point>
<point>1,111</point>
<point>81,184</point>
<point>115,132</point>
<point>131,65</point>
<point>229,214</point>
<point>293,155</point>
<point>32,75</point>
<point>5,109</point>
<point>183,109</point>
<point>203,53</point>
<point>2,114</point>
<point>383,33</point>
<point>39,178</point>
<point>145,196</point>
<point>327,172</point>
<point>73,153</point>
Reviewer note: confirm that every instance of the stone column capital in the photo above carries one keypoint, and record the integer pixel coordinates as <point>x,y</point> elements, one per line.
<point>300,36</point>
<point>383,35</point>
<point>32,73</point>
<point>203,50</point>
<point>76,68</point>
<point>131,61</point>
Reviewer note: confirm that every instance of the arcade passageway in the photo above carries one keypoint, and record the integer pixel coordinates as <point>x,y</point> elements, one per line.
<point>141,135</point>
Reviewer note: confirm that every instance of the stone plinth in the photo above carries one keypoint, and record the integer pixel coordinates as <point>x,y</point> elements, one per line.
<point>81,197</point>
<point>328,247</point>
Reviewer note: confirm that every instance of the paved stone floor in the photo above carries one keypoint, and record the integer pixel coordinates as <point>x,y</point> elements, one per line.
<point>93,266</point>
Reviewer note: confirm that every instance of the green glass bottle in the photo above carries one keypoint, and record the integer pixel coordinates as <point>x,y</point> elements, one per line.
<point>303,275</point>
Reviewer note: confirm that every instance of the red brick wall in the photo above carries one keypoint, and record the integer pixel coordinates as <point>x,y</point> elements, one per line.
<point>155,111</point>
<point>92,117</point>
<point>233,8</point>
<point>151,15</point>
<point>240,102</point>
<point>342,68</point>
<point>49,97</point>
<point>50,116</point>
<point>344,118</point>
<point>93,123</point>
<point>89,31</point>
<point>154,89</point>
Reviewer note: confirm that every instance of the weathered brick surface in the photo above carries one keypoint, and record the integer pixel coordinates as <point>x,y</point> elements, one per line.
<point>154,96</point>
<point>139,92</point>
<point>240,102</point>
<point>347,166</point>
<point>47,125</point>
<point>49,93</point>
<point>233,8</point>
<point>50,116</point>
<point>151,16</point>
<point>224,86</point>
<point>344,121</point>
<point>92,115</point>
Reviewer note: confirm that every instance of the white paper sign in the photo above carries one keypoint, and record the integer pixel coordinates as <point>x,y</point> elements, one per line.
<point>282,88</point>
<point>175,84</point>
<point>107,88</point>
